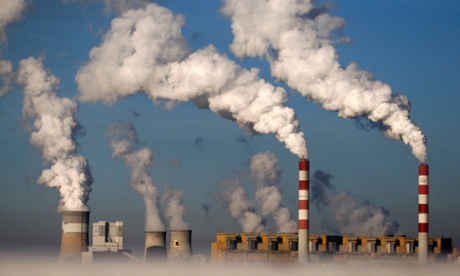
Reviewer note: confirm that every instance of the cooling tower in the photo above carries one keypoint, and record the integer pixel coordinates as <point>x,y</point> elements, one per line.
<point>423,214</point>
<point>74,235</point>
<point>155,246</point>
<point>304,165</point>
<point>180,245</point>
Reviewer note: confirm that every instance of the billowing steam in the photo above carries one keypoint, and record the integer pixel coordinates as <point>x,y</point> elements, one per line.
<point>347,213</point>
<point>125,145</point>
<point>235,200</point>
<point>11,11</point>
<point>144,51</point>
<point>54,132</point>
<point>294,36</point>
<point>266,171</point>
<point>175,210</point>
<point>252,215</point>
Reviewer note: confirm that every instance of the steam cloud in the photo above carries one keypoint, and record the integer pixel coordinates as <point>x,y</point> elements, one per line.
<point>125,145</point>
<point>235,200</point>
<point>54,132</point>
<point>144,51</point>
<point>11,11</point>
<point>252,215</point>
<point>175,210</point>
<point>295,37</point>
<point>266,171</point>
<point>348,214</point>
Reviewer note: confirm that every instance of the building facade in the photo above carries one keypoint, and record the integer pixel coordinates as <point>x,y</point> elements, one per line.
<point>283,248</point>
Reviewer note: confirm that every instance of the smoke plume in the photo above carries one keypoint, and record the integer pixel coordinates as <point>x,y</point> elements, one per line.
<point>235,200</point>
<point>125,145</point>
<point>6,76</point>
<point>252,214</point>
<point>144,51</point>
<point>175,210</point>
<point>349,214</point>
<point>295,37</point>
<point>266,171</point>
<point>11,11</point>
<point>54,132</point>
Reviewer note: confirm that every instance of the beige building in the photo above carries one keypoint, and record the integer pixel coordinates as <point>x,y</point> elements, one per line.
<point>282,248</point>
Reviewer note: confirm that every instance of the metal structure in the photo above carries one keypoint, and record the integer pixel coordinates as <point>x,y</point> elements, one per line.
<point>423,214</point>
<point>74,235</point>
<point>180,248</point>
<point>155,246</point>
<point>304,165</point>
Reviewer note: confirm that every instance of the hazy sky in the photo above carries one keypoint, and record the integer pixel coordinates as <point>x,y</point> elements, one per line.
<point>410,45</point>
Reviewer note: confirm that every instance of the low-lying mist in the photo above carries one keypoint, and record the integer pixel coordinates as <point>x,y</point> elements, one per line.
<point>40,265</point>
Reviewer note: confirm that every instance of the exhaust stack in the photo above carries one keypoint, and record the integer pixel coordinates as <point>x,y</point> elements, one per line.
<point>304,165</point>
<point>423,214</point>
<point>180,249</point>
<point>74,235</point>
<point>155,246</point>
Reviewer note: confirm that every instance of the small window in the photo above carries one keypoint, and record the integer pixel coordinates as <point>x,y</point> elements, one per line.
<point>176,243</point>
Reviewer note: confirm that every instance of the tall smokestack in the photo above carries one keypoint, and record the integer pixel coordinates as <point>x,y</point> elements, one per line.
<point>74,235</point>
<point>304,165</point>
<point>155,246</point>
<point>180,245</point>
<point>423,214</point>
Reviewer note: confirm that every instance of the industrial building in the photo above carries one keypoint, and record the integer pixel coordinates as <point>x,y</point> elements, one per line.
<point>107,243</point>
<point>283,249</point>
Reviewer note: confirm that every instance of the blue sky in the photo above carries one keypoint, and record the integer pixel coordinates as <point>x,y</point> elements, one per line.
<point>410,45</point>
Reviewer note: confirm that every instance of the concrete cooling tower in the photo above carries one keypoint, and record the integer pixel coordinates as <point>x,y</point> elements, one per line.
<point>155,246</point>
<point>74,235</point>
<point>180,245</point>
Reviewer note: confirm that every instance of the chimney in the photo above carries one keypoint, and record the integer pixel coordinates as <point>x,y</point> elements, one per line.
<point>74,235</point>
<point>304,165</point>
<point>155,246</point>
<point>180,245</point>
<point>423,214</point>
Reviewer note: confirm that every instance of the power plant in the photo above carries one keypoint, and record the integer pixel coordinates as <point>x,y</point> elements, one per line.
<point>301,247</point>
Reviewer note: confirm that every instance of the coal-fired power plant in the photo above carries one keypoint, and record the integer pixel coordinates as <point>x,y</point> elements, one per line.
<point>74,235</point>
<point>180,249</point>
<point>155,246</point>
<point>304,165</point>
<point>423,214</point>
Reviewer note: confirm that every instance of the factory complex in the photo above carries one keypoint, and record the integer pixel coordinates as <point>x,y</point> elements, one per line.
<point>282,248</point>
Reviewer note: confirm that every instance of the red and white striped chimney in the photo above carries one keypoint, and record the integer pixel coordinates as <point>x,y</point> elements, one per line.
<point>304,165</point>
<point>423,214</point>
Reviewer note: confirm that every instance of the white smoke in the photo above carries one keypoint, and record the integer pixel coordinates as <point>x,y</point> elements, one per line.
<point>54,131</point>
<point>266,171</point>
<point>6,76</point>
<point>144,51</point>
<point>175,210</point>
<point>10,11</point>
<point>235,200</point>
<point>267,201</point>
<point>294,36</point>
<point>125,145</point>
<point>347,213</point>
